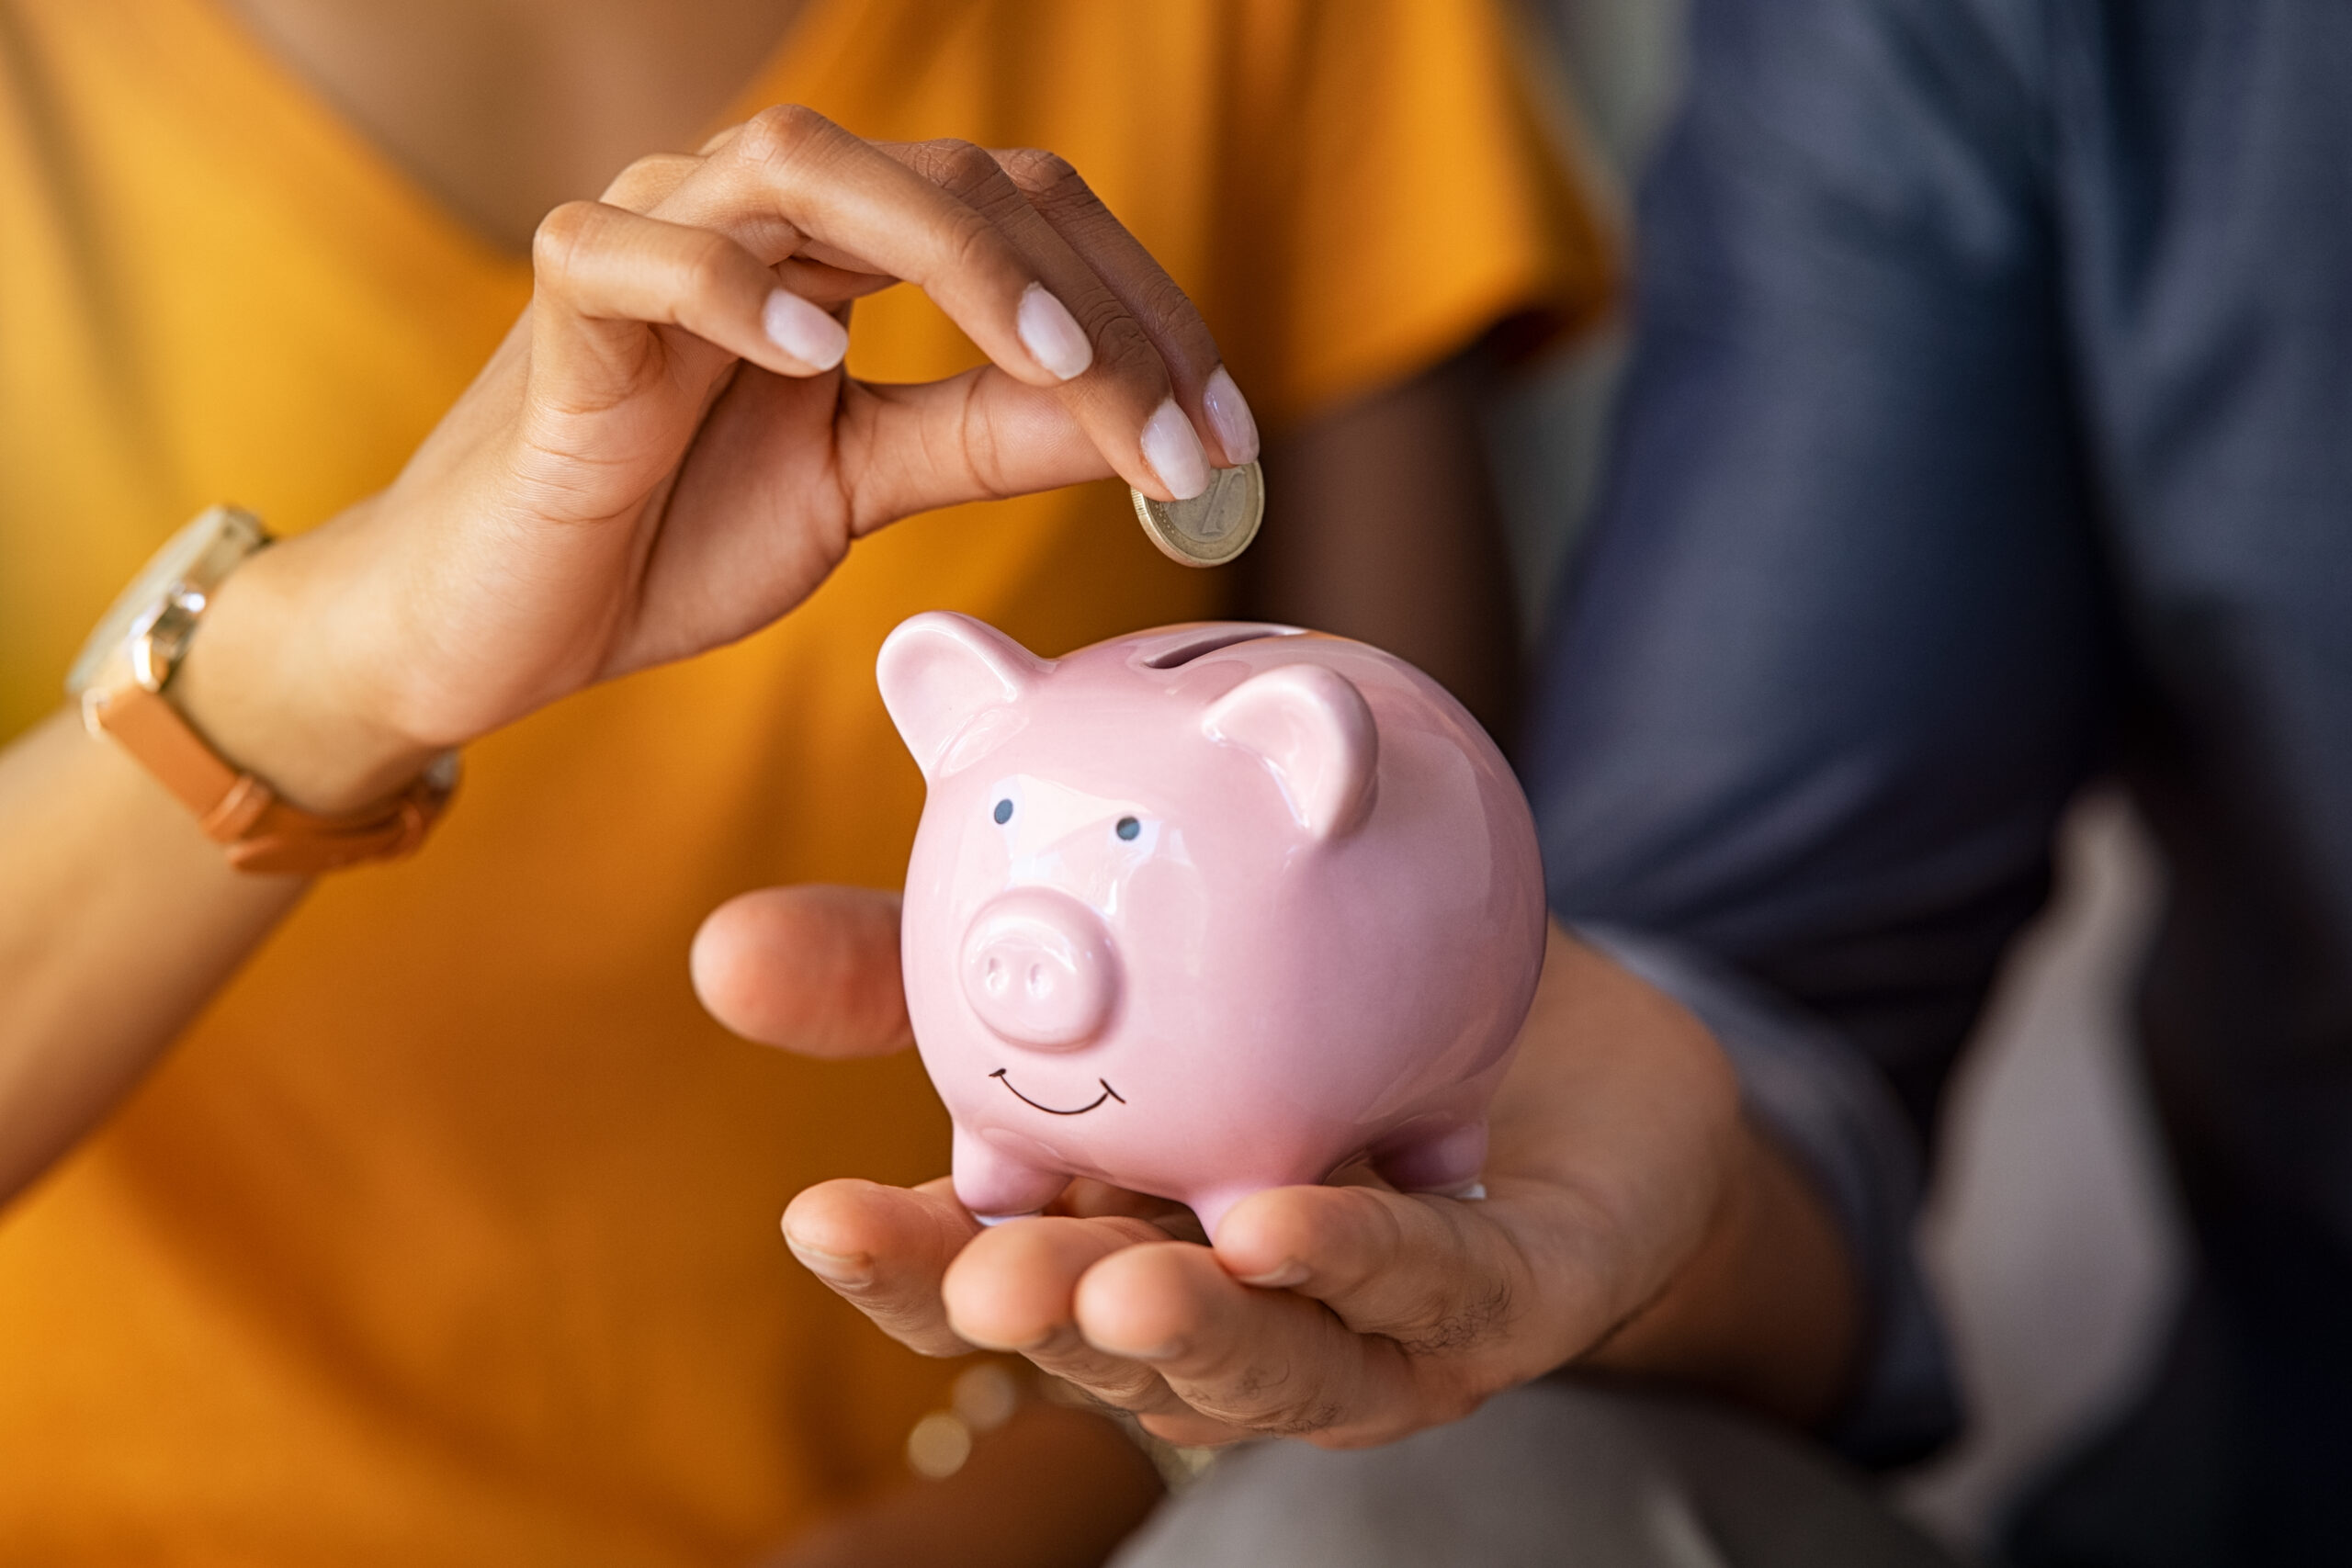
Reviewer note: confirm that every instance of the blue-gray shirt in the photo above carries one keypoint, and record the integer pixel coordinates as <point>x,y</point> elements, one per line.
<point>1990,431</point>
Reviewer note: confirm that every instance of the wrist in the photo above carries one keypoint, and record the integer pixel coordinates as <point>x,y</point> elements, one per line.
<point>283,680</point>
<point>1765,1311</point>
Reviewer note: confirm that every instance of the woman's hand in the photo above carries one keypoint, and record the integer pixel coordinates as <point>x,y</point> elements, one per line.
<point>1631,1221</point>
<point>665,454</point>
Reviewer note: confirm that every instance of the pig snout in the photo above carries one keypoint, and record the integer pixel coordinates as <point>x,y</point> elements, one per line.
<point>1039,969</point>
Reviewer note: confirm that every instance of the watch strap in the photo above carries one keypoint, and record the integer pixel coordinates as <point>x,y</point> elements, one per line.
<point>259,832</point>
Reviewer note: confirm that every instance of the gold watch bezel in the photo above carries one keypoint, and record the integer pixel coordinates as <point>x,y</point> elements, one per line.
<point>145,632</point>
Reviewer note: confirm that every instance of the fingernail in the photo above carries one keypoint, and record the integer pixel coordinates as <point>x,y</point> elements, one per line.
<point>1282,1279</point>
<point>1229,416</point>
<point>1174,452</point>
<point>1052,334</point>
<point>1168,1352</point>
<point>803,330</point>
<point>833,1267</point>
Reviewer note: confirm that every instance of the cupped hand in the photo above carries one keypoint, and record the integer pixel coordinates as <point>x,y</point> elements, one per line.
<point>665,453</point>
<point>1346,1314</point>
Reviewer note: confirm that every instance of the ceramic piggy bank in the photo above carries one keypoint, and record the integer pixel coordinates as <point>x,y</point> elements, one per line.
<point>1208,910</point>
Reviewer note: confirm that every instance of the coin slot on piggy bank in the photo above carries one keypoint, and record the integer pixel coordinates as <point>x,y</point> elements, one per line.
<point>1206,911</point>
<point>1199,642</point>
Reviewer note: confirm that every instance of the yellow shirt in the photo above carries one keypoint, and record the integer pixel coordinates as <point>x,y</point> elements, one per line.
<point>448,1234</point>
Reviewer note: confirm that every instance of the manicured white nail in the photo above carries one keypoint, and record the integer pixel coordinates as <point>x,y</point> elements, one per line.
<point>1174,452</point>
<point>803,330</point>
<point>1052,334</point>
<point>1229,416</point>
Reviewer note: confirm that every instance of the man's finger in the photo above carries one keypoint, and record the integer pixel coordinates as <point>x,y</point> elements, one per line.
<point>1088,1199</point>
<point>885,1250</point>
<point>814,969</point>
<point>1437,1275</point>
<point>1010,1289</point>
<point>1267,1360</point>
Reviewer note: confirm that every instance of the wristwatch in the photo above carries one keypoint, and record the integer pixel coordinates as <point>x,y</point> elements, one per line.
<point>122,677</point>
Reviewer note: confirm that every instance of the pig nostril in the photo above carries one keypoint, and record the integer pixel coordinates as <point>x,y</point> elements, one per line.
<point>1039,981</point>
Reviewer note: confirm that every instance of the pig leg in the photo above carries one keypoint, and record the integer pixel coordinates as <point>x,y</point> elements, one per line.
<point>995,1186</point>
<point>1445,1160</point>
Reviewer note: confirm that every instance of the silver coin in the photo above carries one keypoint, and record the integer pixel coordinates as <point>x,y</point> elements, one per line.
<point>1214,526</point>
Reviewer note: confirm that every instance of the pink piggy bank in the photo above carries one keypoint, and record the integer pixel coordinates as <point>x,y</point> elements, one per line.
<point>1208,910</point>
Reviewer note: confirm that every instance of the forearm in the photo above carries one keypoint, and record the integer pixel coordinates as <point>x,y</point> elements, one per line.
<point>1382,525</point>
<point>120,920</point>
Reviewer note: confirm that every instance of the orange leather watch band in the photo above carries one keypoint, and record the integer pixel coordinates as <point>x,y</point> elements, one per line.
<point>259,832</point>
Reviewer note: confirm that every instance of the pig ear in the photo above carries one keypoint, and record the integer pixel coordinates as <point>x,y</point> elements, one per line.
<point>939,672</point>
<point>1313,731</point>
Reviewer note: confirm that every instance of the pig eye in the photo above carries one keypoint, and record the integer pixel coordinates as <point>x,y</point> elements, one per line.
<point>1004,810</point>
<point>1128,828</point>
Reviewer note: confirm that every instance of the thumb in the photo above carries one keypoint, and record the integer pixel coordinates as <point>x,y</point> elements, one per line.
<point>813,969</point>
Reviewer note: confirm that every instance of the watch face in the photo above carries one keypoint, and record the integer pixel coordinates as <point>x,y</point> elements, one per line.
<point>201,554</point>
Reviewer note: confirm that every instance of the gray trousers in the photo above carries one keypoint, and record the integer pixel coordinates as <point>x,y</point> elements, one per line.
<point>1559,1473</point>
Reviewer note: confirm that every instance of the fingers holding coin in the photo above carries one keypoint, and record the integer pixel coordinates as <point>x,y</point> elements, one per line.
<point>1196,371</point>
<point>797,191</point>
<point>1195,422</point>
<point>1210,524</point>
<point>1213,527</point>
<point>1021,253</point>
<point>1117,386</point>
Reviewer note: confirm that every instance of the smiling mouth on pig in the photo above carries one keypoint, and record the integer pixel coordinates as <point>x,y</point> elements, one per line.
<point>1108,1093</point>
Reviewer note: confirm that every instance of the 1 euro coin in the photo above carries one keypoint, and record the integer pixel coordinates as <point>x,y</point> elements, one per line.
<point>1214,526</point>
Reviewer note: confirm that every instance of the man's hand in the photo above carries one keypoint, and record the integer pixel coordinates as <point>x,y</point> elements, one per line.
<point>1633,1221</point>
